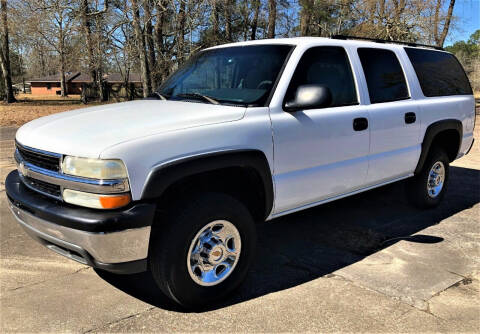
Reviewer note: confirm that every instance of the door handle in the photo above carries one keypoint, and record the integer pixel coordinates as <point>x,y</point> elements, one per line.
<point>360,124</point>
<point>410,117</point>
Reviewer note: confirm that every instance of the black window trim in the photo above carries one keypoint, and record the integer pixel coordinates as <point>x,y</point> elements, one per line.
<point>454,57</point>
<point>279,77</point>
<point>352,69</point>
<point>405,77</point>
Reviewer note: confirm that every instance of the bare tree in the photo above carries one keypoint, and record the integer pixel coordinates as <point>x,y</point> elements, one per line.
<point>305,16</point>
<point>154,37</point>
<point>272,18</point>
<point>5,55</point>
<point>94,52</point>
<point>152,61</point>
<point>215,18</point>
<point>142,51</point>
<point>54,21</point>
<point>256,10</point>
<point>161,9</point>
<point>440,38</point>
<point>181,32</point>
<point>227,13</point>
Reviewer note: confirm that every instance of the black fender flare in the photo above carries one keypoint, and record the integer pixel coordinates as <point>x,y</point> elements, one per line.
<point>432,131</point>
<point>160,178</point>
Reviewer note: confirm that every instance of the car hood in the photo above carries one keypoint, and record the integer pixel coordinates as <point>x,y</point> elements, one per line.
<point>89,131</point>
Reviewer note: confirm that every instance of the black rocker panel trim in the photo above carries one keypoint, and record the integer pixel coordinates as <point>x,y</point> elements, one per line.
<point>161,178</point>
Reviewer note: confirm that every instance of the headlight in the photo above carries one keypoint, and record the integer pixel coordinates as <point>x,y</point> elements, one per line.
<point>95,201</point>
<point>94,168</point>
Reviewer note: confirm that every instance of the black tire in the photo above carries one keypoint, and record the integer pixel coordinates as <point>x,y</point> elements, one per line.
<point>417,189</point>
<point>171,241</point>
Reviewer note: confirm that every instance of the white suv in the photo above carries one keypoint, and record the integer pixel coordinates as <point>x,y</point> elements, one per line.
<point>242,133</point>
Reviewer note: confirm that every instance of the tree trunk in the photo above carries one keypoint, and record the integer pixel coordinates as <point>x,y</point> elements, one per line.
<point>61,49</point>
<point>215,23</point>
<point>152,62</point>
<point>181,33</point>
<point>245,23</point>
<point>272,18</point>
<point>63,83</point>
<point>446,25</point>
<point>256,6</point>
<point>98,60</point>
<point>87,30</point>
<point>305,17</point>
<point>435,21</point>
<point>5,56</point>
<point>227,13</point>
<point>160,9</point>
<point>141,49</point>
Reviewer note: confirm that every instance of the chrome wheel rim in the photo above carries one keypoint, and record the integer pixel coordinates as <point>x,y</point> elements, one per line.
<point>436,179</point>
<point>214,253</point>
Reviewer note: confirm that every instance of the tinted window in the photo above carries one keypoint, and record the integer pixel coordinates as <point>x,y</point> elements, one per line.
<point>327,66</point>
<point>385,79</point>
<point>439,73</point>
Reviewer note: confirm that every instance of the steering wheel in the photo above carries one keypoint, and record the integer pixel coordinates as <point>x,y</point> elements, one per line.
<point>264,83</point>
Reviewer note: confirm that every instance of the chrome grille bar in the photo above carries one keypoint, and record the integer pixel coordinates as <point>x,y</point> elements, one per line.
<point>29,170</point>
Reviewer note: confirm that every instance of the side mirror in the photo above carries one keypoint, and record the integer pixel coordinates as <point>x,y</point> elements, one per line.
<point>310,97</point>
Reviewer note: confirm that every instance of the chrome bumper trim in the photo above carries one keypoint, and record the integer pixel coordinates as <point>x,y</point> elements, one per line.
<point>71,182</point>
<point>115,247</point>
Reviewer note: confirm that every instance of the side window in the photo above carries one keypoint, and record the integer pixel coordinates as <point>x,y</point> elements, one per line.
<point>385,78</point>
<point>329,66</point>
<point>439,73</point>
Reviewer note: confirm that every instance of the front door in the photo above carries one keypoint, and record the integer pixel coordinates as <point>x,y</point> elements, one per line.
<point>320,153</point>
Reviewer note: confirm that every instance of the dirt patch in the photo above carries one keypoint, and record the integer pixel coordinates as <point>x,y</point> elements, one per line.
<point>17,114</point>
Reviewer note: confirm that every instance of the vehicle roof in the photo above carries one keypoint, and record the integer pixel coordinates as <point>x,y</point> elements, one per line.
<point>311,41</point>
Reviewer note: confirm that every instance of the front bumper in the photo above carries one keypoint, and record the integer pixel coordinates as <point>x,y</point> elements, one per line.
<point>116,240</point>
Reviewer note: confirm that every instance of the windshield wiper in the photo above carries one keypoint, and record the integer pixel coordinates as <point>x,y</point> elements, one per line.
<point>163,98</point>
<point>197,95</point>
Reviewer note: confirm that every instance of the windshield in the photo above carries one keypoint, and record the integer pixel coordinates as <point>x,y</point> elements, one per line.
<point>243,75</point>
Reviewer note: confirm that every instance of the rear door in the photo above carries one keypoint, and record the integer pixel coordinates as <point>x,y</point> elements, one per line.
<point>394,117</point>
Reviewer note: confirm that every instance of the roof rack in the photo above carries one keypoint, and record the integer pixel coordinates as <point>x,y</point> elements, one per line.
<point>345,37</point>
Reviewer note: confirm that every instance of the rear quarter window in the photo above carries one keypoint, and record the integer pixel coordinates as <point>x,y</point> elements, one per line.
<point>439,73</point>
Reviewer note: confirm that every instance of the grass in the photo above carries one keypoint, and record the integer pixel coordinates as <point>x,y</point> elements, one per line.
<point>47,98</point>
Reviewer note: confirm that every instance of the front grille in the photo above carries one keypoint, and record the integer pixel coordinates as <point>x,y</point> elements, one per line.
<point>41,160</point>
<point>44,187</point>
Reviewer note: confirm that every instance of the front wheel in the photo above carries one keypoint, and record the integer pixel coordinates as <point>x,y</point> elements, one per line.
<point>204,250</point>
<point>426,190</point>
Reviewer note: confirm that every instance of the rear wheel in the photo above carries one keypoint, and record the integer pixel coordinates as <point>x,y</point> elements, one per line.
<point>204,251</point>
<point>426,190</point>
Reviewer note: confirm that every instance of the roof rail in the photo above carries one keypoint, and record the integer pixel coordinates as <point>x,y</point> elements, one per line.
<point>345,37</point>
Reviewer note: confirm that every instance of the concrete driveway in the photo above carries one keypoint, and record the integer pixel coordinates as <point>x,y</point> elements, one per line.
<point>366,263</point>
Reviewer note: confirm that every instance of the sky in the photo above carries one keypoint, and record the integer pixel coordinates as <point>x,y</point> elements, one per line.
<point>468,14</point>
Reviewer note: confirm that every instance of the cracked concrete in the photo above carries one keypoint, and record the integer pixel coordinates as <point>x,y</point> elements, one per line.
<point>368,263</point>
